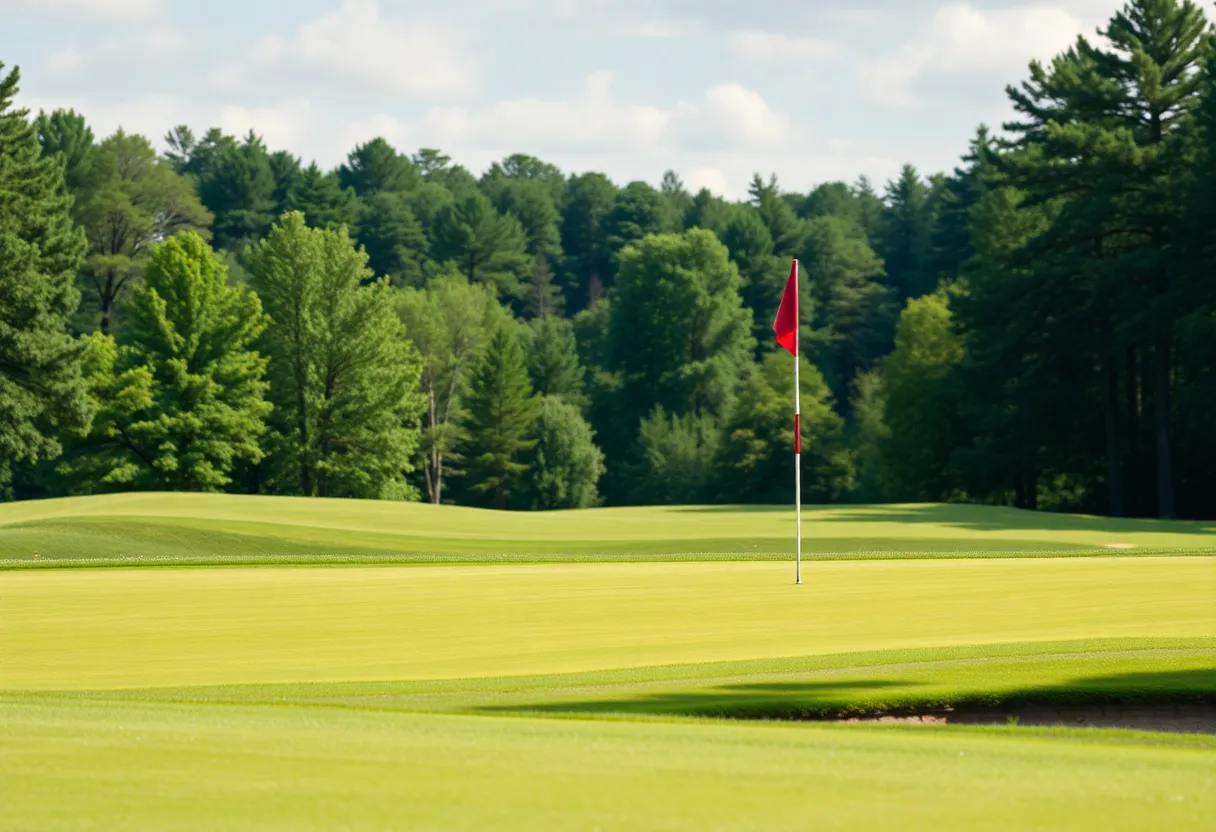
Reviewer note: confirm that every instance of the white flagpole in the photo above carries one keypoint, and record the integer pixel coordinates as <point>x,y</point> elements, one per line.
<point>797,433</point>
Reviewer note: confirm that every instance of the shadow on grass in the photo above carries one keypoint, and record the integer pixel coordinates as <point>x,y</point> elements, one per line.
<point>975,518</point>
<point>865,697</point>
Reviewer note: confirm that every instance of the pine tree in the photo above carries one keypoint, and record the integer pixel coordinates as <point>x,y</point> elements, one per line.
<point>499,413</point>
<point>393,238</point>
<point>543,297</point>
<point>552,356</point>
<point>66,133</point>
<point>321,199</point>
<point>181,402</point>
<point>376,167</point>
<point>906,234</point>
<point>486,246</point>
<point>41,389</point>
<point>449,321</point>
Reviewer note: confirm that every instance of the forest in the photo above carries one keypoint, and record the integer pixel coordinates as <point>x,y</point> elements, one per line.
<point>1034,328</point>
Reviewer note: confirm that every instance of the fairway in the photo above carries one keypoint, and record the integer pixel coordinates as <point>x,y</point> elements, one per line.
<point>499,683</point>
<point>125,529</point>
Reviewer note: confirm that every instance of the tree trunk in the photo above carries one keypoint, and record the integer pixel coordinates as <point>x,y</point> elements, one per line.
<point>1161,412</point>
<point>1132,433</point>
<point>1114,465</point>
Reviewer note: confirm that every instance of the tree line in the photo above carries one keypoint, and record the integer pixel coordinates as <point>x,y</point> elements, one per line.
<point>1035,328</point>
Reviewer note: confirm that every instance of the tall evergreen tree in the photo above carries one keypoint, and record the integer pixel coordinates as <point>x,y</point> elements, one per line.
<point>394,239</point>
<point>499,413</point>
<point>486,246</point>
<point>376,167</point>
<point>65,132</point>
<point>1106,122</point>
<point>906,234</point>
<point>237,184</point>
<point>587,260</point>
<point>321,199</point>
<point>42,392</point>
<point>552,356</point>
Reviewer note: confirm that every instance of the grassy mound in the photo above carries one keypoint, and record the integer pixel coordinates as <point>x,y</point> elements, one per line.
<point>200,529</point>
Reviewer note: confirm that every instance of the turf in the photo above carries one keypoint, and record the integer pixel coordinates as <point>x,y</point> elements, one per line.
<point>213,529</point>
<point>84,629</point>
<point>157,766</point>
<point>574,684</point>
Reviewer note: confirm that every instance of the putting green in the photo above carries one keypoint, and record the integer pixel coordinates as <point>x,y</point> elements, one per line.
<point>156,766</point>
<point>218,528</point>
<point>88,629</point>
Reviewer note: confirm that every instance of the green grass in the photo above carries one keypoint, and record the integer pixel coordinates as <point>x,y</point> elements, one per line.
<point>85,629</point>
<point>188,529</point>
<point>575,685</point>
<point>166,766</point>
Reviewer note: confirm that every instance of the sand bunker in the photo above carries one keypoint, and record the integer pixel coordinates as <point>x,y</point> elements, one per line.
<point>1181,719</point>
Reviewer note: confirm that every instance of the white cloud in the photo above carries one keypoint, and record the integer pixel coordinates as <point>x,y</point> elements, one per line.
<point>116,10</point>
<point>712,179</point>
<point>159,43</point>
<point>359,45</point>
<point>728,116</point>
<point>288,125</point>
<point>774,48</point>
<point>964,49</point>
<point>593,119</point>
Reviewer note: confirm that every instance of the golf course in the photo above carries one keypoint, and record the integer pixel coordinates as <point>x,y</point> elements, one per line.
<point>203,661</point>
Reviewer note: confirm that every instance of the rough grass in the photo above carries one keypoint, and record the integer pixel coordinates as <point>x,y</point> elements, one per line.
<point>199,529</point>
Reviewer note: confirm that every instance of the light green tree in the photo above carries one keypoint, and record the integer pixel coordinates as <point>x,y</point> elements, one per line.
<point>566,464</point>
<point>344,375</point>
<point>181,401</point>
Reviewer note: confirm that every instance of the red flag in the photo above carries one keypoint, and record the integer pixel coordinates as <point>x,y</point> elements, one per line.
<point>786,325</point>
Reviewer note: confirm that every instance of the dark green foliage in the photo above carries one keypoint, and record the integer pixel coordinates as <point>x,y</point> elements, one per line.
<point>376,167</point>
<point>66,133</point>
<point>500,409</point>
<point>321,199</point>
<point>709,212</point>
<point>552,356</point>
<point>543,296</point>
<point>566,464</point>
<point>237,185</point>
<point>755,458</point>
<point>287,174</point>
<point>484,245</point>
<point>905,236</point>
<point>181,402</point>
<point>393,238</point>
<point>41,388</point>
<point>587,262</point>
<point>637,210</point>
<point>673,459</point>
<point>678,337</point>
<point>848,309</point>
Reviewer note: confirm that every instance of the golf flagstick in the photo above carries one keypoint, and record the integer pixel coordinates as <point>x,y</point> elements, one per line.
<point>786,330</point>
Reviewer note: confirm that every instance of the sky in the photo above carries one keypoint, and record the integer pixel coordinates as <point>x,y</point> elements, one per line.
<point>715,90</point>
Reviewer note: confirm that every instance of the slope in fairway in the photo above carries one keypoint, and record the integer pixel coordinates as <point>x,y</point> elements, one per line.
<point>153,766</point>
<point>88,629</point>
<point>211,528</point>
